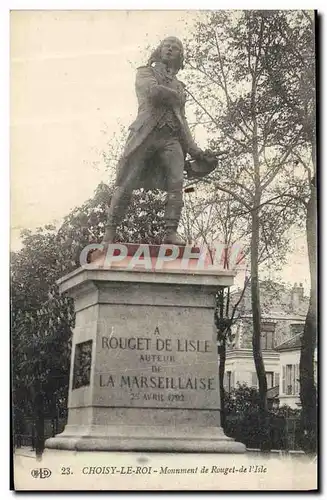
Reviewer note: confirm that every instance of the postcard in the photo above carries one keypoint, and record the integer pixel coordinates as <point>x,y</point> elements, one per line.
<point>164,250</point>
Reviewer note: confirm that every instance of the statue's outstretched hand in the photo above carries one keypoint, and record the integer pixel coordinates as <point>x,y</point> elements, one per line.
<point>199,154</point>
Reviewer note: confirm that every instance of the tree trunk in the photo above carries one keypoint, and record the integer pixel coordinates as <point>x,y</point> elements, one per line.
<point>39,420</point>
<point>308,345</point>
<point>256,336</point>
<point>255,289</point>
<point>221,337</point>
<point>222,362</point>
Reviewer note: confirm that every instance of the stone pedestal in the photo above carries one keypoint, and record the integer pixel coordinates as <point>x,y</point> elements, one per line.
<point>144,371</point>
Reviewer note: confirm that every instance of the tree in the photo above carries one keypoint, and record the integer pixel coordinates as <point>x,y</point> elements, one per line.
<point>225,317</point>
<point>242,399</point>
<point>210,218</point>
<point>215,216</point>
<point>236,103</point>
<point>293,75</point>
<point>40,328</point>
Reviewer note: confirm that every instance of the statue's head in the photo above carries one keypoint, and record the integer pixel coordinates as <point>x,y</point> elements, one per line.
<point>170,51</point>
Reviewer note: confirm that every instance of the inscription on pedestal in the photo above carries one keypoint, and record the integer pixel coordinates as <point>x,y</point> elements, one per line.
<point>157,369</point>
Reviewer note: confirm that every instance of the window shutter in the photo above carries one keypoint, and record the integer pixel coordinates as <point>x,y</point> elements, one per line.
<point>254,379</point>
<point>297,380</point>
<point>270,340</point>
<point>276,379</point>
<point>226,381</point>
<point>284,380</point>
<point>294,380</point>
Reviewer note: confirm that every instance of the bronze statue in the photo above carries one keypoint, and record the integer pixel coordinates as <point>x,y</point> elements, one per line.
<point>158,142</point>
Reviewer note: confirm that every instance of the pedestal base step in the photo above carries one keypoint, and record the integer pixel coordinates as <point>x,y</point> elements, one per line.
<point>206,441</point>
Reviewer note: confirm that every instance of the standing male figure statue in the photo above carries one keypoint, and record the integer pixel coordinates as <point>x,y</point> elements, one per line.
<point>158,142</point>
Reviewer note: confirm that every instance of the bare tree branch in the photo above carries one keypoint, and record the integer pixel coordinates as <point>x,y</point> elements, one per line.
<point>281,163</point>
<point>235,195</point>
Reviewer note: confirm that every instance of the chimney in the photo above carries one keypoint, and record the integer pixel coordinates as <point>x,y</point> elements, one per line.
<point>297,295</point>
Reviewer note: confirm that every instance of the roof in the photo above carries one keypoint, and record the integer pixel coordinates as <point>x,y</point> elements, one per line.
<point>290,344</point>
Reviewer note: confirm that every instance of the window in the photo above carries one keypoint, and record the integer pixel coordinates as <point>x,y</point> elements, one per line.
<point>229,381</point>
<point>254,381</point>
<point>270,379</point>
<point>291,386</point>
<point>267,336</point>
<point>290,380</point>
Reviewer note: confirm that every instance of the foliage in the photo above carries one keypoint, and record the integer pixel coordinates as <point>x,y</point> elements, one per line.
<point>242,410</point>
<point>242,421</point>
<point>287,411</point>
<point>241,400</point>
<point>143,222</point>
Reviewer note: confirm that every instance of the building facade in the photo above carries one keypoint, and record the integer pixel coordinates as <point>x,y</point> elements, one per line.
<point>289,360</point>
<point>283,315</point>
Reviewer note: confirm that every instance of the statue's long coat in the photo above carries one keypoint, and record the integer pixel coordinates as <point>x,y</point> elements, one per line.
<point>150,80</point>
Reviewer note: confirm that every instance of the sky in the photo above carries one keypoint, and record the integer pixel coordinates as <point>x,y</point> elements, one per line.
<point>72,85</point>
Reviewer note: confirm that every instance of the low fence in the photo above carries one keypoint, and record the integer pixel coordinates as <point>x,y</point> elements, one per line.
<point>28,436</point>
<point>281,433</point>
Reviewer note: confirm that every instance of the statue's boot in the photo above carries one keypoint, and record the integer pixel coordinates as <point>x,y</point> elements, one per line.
<point>174,205</point>
<point>118,206</point>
